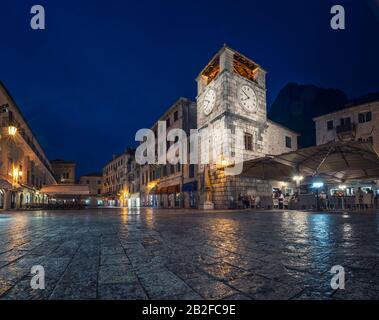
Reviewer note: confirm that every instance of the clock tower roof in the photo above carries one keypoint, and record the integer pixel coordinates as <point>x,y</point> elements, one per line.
<point>215,65</point>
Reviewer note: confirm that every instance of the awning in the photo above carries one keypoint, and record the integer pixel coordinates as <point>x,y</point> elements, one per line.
<point>162,190</point>
<point>334,162</point>
<point>189,186</point>
<point>66,189</point>
<point>173,189</point>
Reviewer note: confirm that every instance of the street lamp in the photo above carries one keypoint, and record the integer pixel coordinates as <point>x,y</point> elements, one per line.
<point>298,179</point>
<point>16,174</point>
<point>12,130</point>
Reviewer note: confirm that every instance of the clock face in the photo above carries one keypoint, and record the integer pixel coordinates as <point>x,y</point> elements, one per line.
<point>247,98</point>
<point>209,101</point>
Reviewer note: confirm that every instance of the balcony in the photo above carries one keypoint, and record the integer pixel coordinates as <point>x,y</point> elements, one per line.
<point>346,131</point>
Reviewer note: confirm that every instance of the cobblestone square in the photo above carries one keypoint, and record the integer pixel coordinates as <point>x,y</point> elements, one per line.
<point>167,254</point>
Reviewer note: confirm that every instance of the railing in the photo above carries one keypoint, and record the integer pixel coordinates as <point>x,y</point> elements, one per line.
<point>345,128</point>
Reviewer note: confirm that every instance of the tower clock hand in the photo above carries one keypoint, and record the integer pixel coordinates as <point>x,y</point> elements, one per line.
<point>247,96</point>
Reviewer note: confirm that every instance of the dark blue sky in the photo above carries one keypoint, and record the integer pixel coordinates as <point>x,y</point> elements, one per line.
<point>104,69</point>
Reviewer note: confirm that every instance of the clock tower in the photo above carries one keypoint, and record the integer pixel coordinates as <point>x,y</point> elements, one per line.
<point>231,95</point>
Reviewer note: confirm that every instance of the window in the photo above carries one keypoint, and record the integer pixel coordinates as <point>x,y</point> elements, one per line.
<point>364,117</point>
<point>98,191</point>
<point>345,121</point>
<point>330,125</point>
<point>248,141</point>
<point>175,115</point>
<point>168,122</point>
<point>191,171</point>
<point>288,142</point>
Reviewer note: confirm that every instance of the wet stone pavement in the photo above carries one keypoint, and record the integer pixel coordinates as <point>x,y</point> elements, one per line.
<point>166,254</point>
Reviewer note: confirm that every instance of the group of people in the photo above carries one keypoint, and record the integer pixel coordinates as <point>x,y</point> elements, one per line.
<point>361,200</point>
<point>247,201</point>
<point>365,200</point>
<point>283,201</point>
<point>279,201</point>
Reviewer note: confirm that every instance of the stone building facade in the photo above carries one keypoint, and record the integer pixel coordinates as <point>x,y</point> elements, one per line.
<point>24,167</point>
<point>353,123</point>
<point>94,183</point>
<point>232,95</point>
<point>64,171</point>
<point>171,186</point>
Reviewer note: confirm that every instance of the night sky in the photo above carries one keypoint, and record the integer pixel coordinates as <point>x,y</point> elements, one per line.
<point>104,69</point>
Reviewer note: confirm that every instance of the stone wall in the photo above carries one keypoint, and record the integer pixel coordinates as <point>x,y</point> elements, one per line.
<point>227,189</point>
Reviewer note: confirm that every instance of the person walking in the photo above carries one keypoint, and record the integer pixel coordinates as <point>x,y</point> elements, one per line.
<point>286,201</point>
<point>281,200</point>
<point>360,195</point>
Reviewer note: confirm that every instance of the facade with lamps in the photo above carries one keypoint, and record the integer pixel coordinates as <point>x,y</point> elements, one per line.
<point>171,185</point>
<point>24,167</point>
<point>115,179</point>
<point>231,95</point>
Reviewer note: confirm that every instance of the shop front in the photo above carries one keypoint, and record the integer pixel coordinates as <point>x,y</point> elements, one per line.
<point>134,200</point>
<point>170,197</point>
<point>189,191</point>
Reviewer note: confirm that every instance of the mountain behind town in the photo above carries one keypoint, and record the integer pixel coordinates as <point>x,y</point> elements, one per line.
<point>296,105</point>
